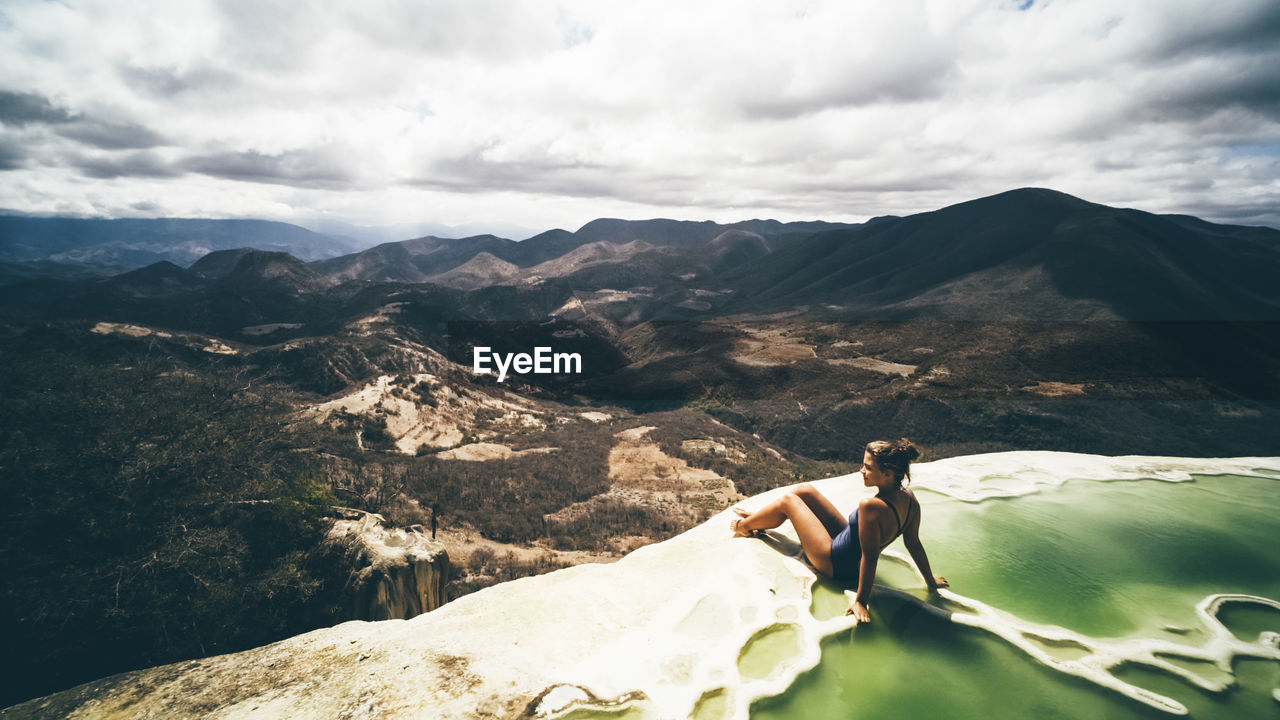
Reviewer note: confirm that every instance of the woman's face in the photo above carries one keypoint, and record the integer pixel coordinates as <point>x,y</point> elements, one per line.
<point>872,475</point>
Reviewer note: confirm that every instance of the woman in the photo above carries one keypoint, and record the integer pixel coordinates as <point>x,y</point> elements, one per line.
<point>847,550</point>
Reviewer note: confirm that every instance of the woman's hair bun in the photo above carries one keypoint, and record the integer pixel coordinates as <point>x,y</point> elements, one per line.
<point>895,456</point>
<point>907,448</point>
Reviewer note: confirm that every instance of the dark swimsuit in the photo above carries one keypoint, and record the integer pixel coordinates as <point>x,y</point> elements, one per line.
<point>846,551</point>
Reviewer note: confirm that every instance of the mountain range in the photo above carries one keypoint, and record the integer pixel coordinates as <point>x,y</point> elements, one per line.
<point>1014,290</point>
<point>1029,254</point>
<point>62,246</point>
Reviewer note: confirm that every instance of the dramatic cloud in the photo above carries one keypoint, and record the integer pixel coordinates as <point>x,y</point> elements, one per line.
<point>112,136</point>
<point>550,113</point>
<point>11,155</point>
<point>25,108</point>
<point>126,165</point>
<point>310,167</point>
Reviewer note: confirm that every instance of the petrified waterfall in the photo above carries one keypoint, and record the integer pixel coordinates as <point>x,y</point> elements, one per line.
<point>397,573</point>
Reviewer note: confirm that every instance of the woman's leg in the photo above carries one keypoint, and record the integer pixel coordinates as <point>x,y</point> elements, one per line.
<point>823,508</point>
<point>813,534</point>
<point>826,511</point>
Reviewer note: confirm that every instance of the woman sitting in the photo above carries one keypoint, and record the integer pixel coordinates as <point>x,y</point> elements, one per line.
<point>848,549</point>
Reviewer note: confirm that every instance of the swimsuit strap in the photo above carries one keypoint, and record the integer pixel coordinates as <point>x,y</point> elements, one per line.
<point>901,523</point>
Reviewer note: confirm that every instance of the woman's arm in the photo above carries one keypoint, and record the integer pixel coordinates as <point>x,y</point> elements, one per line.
<point>911,538</point>
<point>869,538</point>
<point>922,561</point>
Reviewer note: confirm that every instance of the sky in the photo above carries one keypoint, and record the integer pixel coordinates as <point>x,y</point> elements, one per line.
<point>551,113</point>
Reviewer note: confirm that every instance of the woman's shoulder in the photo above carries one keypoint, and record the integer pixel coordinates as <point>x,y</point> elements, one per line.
<point>871,507</point>
<point>874,506</point>
<point>915,502</point>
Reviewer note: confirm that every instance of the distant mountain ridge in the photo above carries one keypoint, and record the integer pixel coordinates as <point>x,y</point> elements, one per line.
<point>430,259</point>
<point>116,245</point>
<point>366,236</point>
<point>1031,253</point>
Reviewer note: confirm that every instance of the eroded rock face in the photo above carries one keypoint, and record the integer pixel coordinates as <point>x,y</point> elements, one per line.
<point>400,572</point>
<point>697,626</point>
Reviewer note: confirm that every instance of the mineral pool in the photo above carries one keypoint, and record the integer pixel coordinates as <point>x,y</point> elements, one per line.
<point>1133,599</point>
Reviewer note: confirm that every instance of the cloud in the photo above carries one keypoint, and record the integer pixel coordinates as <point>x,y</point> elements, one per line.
<point>12,156</point>
<point>1251,83</point>
<point>464,110</point>
<point>476,176</point>
<point>310,167</point>
<point>1192,30</point>
<point>30,109</point>
<point>172,82</point>
<point>146,208</point>
<point>19,109</point>
<point>131,165</point>
<point>112,136</point>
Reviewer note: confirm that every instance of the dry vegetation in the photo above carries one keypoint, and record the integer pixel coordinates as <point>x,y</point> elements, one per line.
<point>575,486</point>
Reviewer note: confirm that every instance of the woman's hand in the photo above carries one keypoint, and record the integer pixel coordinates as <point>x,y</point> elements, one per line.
<point>859,612</point>
<point>938,582</point>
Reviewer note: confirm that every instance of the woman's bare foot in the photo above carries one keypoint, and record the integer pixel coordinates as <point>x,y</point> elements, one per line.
<point>735,525</point>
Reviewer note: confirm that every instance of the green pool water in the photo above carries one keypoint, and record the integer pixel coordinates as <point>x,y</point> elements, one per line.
<point>1110,561</point>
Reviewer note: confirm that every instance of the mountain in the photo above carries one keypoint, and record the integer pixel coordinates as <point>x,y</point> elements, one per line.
<point>257,268</point>
<point>1025,255</point>
<point>1029,253</point>
<point>365,235</point>
<point>126,244</point>
<point>644,250</point>
<point>223,292</point>
<point>662,233</point>
<point>1032,254</point>
<point>411,260</point>
<point>16,272</point>
<point>219,263</point>
<point>157,280</point>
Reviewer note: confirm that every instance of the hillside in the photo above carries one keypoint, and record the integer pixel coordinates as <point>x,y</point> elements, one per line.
<point>561,254</point>
<point>1032,254</point>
